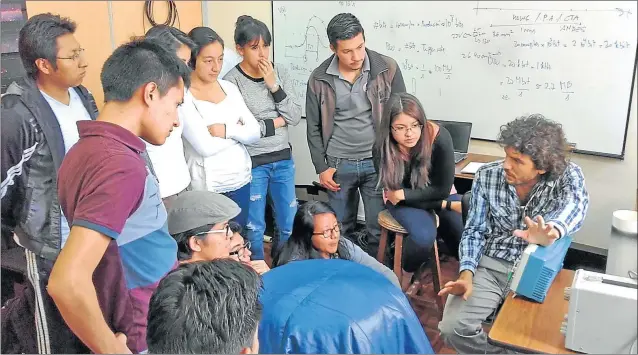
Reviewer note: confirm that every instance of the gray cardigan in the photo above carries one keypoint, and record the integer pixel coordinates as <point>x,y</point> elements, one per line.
<point>361,257</point>
<point>357,255</point>
<point>266,107</point>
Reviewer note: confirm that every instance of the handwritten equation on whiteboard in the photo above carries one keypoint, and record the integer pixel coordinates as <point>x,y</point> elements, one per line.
<point>522,49</point>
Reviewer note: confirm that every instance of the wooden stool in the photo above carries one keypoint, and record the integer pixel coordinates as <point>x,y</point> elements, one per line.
<point>389,224</point>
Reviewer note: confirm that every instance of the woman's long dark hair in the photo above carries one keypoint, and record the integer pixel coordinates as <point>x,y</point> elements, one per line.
<point>299,246</point>
<point>391,165</point>
<point>172,37</point>
<point>202,36</point>
<point>249,29</point>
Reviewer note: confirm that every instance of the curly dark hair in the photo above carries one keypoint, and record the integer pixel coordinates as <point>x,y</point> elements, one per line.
<point>540,138</point>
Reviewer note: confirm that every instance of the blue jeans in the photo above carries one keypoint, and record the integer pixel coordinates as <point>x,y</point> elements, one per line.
<point>421,227</point>
<point>420,224</point>
<point>357,177</point>
<point>241,196</point>
<point>277,182</point>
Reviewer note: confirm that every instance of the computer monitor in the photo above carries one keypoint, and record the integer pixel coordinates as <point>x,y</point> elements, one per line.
<point>460,132</point>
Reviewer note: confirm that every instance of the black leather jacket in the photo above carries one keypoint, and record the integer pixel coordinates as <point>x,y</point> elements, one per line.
<point>32,151</point>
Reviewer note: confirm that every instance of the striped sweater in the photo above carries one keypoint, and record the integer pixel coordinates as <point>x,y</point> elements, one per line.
<point>266,106</point>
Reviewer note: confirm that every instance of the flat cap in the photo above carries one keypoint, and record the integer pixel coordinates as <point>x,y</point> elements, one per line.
<point>193,209</point>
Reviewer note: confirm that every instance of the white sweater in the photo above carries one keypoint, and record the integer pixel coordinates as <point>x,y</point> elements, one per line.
<point>217,164</point>
<point>169,163</point>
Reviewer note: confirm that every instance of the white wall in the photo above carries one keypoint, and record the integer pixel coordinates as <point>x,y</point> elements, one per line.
<point>612,183</point>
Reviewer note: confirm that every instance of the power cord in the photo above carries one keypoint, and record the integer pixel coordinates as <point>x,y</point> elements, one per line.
<point>171,17</point>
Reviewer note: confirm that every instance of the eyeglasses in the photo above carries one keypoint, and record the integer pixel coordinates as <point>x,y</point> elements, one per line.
<point>329,232</point>
<point>225,230</point>
<point>241,251</point>
<point>76,55</point>
<point>404,129</point>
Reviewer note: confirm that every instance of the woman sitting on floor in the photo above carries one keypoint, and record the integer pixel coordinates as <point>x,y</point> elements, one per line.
<point>316,234</point>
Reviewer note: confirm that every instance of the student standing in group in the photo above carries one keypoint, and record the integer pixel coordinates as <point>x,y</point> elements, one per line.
<point>345,99</point>
<point>218,104</point>
<point>112,202</point>
<point>414,158</point>
<point>168,161</point>
<point>534,196</point>
<point>39,116</point>
<point>269,96</point>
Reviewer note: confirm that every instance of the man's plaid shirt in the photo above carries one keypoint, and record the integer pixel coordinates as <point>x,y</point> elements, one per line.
<point>495,212</point>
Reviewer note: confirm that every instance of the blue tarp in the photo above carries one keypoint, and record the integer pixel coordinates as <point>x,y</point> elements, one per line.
<point>336,306</point>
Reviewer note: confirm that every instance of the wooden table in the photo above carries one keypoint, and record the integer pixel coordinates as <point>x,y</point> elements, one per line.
<point>529,327</point>
<point>473,157</point>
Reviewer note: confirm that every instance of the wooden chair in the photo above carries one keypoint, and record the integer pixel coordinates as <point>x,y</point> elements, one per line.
<point>389,224</point>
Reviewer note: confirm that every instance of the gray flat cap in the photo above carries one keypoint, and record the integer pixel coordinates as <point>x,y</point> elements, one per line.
<point>193,209</point>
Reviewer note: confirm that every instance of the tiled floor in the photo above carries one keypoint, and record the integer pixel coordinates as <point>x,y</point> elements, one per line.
<point>427,313</point>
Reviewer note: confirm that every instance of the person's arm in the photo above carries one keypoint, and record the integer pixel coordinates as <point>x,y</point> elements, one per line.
<point>361,257</point>
<point>569,214</point>
<point>248,131</point>
<point>285,101</point>
<point>441,175</point>
<point>268,126</point>
<point>71,287</point>
<point>455,206</point>
<point>19,142</point>
<point>196,132</point>
<point>101,210</point>
<point>313,130</point>
<point>476,227</point>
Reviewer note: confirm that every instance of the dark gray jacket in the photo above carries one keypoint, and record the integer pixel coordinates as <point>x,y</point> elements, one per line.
<point>385,79</point>
<point>32,151</point>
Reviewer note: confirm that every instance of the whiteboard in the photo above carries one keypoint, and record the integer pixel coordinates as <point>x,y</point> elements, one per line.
<point>489,62</point>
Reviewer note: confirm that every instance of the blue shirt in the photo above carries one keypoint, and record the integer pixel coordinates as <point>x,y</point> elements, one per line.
<point>495,212</point>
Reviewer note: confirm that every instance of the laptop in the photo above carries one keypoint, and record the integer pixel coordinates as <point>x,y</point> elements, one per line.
<point>461,133</point>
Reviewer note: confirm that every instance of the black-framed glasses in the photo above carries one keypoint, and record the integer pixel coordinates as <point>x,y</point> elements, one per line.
<point>328,233</point>
<point>404,130</point>
<point>76,55</point>
<point>225,230</point>
<point>241,251</point>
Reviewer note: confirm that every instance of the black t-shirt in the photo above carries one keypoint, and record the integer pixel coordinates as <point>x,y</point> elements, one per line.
<point>441,174</point>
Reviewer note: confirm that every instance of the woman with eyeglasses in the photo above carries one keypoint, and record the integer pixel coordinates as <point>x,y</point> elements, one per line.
<point>316,234</point>
<point>414,158</point>
<point>240,250</point>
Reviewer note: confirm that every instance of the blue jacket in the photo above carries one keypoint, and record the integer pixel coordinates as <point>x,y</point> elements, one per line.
<point>323,306</point>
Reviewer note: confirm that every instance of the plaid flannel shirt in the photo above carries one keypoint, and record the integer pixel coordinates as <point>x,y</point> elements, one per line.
<point>495,212</point>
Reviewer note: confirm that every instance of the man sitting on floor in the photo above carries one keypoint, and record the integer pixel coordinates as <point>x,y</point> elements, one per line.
<point>200,222</point>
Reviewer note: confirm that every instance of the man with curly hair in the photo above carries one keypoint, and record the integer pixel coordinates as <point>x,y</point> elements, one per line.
<point>535,195</point>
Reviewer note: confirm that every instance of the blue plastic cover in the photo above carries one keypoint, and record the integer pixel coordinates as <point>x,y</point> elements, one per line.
<point>336,306</point>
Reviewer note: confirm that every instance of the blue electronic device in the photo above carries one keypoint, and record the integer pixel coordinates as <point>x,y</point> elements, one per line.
<point>538,267</point>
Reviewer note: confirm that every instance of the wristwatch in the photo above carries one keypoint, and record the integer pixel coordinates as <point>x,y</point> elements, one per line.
<point>274,88</point>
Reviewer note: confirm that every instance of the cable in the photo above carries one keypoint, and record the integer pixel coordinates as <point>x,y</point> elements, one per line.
<point>633,346</point>
<point>171,17</point>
